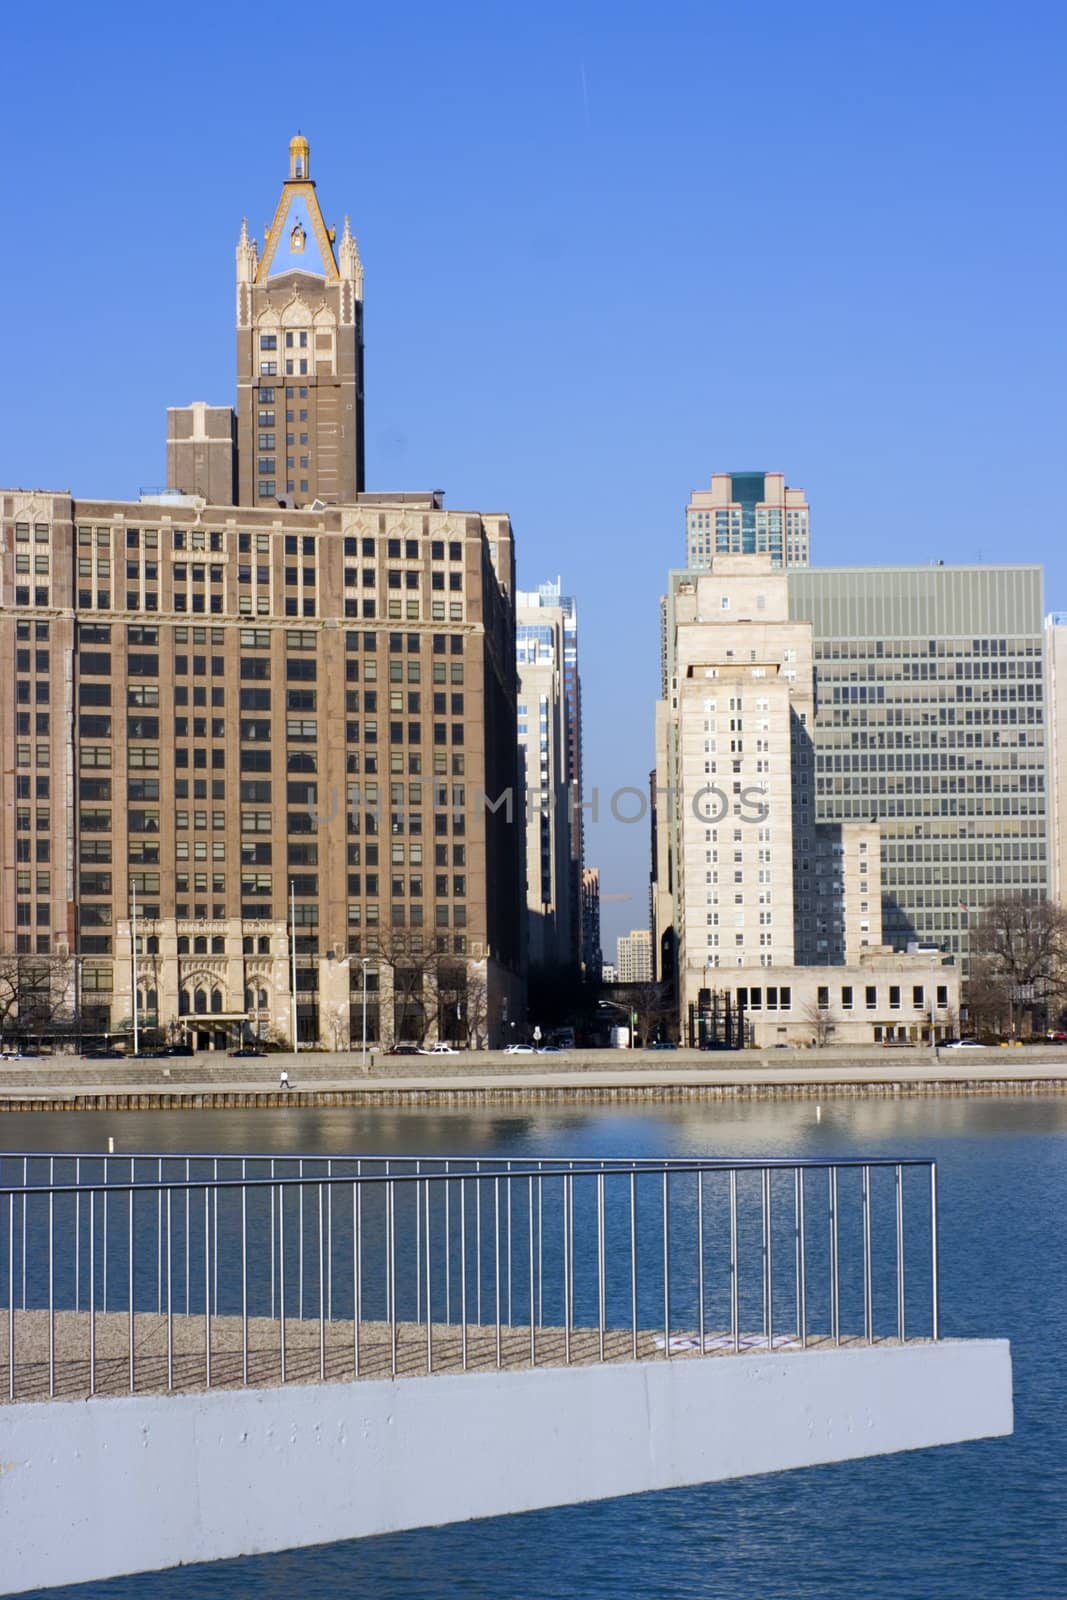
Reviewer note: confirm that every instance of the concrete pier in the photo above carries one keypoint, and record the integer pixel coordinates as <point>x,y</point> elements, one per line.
<point>150,1481</point>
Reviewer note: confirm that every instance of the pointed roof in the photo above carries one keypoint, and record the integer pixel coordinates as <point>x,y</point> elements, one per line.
<point>298,239</point>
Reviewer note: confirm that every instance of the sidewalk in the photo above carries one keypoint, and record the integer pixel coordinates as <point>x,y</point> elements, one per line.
<point>336,1077</point>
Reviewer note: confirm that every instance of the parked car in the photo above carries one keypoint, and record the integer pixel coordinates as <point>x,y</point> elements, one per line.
<point>964,1044</point>
<point>404,1050</point>
<point>439,1049</point>
<point>103,1055</point>
<point>1056,1036</point>
<point>663,1044</point>
<point>248,1050</point>
<point>551,1050</point>
<point>520,1050</point>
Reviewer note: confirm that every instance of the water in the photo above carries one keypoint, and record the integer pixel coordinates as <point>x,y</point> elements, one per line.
<point>965,1522</point>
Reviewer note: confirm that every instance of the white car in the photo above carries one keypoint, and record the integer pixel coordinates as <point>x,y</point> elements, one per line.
<point>520,1050</point>
<point>964,1044</point>
<point>440,1049</point>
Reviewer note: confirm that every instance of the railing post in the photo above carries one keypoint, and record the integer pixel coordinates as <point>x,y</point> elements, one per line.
<point>11,1296</point>
<point>52,1292</point>
<point>601,1261</point>
<point>935,1284</point>
<point>633,1263</point>
<point>868,1285</point>
<point>835,1303</point>
<point>802,1269</point>
<point>530,1237</point>
<point>568,1245</point>
<point>463,1265</point>
<point>735,1292</point>
<point>666,1265</point>
<point>429,1276</point>
<point>700,1259</point>
<point>900,1252</point>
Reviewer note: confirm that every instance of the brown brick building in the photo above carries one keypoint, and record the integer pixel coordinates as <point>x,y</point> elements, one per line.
<point>281,733</point>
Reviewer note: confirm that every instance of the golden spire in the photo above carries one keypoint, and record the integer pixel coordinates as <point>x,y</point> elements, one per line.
<point>299,157</point>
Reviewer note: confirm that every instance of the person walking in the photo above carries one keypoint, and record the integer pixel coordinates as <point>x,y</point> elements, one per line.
<point>283,1079</point>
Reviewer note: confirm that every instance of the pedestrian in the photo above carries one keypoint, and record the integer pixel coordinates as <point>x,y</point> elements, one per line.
<point>283,1080</point>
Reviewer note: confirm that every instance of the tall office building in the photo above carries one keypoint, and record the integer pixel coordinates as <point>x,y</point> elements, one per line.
<point>1056,687</point>
<point>550,735</point>
<point>592,952</point>
<point>748,513</point>
<point>932,723</point>
<point>247,743</point>
<point>299,352</point>
<point>762,904</point>
<point>633,956</point>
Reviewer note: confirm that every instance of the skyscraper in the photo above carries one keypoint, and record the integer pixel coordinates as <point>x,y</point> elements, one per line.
<point>252,743</point>
<point>299,353</point>
<point>1056,657</point>
<point>550,732</point>
<point>930,683</point>
<point>764,905</point>
<point>634,956</point>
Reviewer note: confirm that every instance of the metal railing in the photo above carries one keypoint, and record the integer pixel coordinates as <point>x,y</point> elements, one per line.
<point>161,1272</point>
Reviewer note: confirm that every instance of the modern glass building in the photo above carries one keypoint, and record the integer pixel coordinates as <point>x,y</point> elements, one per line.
<point>931,720</point>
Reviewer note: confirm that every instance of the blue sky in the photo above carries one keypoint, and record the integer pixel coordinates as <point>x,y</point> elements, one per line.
<point>609,250</point>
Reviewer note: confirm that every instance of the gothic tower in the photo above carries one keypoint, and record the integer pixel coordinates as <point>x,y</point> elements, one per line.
<point>299,353</point>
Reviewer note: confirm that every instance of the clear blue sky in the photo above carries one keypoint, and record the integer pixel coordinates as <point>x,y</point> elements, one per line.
<point>609,250</point>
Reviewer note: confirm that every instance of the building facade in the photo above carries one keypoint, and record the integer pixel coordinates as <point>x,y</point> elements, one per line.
<point>299,353</point>
<point>752,888</point>
<point>633,957</point>
<point>264,757</point>
<point>592,951</point>
<point>748,513</point>
<point>930,684</point>
<point>1056,701</point>
<point>550,738</point>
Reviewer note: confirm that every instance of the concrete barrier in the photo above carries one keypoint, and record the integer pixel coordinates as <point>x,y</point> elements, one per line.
<point>95,1489</point>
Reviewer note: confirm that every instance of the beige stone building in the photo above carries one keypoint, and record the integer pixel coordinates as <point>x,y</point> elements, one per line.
<point>748,513</point>
<point>633,957</point>
<point>546,743</point>
<point>264,752</point>
<point>749,891</point>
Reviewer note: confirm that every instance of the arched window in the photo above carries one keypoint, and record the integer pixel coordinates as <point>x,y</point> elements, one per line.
<point>199,1002</point>
<point>216,999</point>
<point>249,999</point>
<point>263,999</point>
<point>183,1002</point>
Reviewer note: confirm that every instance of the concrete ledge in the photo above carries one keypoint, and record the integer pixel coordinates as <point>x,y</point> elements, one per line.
<point>414,1095</point>
<point>95,1489</point>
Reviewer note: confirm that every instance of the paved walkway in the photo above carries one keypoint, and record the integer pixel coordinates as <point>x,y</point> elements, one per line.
<point>69,1082</point>
<point>172,1355</point>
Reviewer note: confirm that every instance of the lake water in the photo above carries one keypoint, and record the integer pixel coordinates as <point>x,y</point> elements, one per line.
<point>970,1522</point>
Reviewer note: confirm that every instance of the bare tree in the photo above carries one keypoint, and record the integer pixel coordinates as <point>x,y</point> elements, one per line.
<point>410,960</point>
<point>36,994</point>
<point>476,1010</point>
<point>820,1021</point>
<point>651,1004</point>
<point>1018,970</point>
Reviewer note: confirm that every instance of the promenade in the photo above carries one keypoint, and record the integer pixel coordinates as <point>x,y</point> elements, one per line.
<point>581,1076</point>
